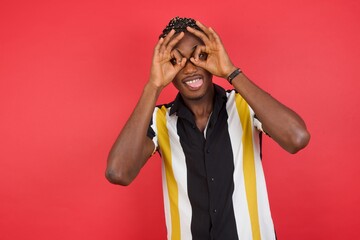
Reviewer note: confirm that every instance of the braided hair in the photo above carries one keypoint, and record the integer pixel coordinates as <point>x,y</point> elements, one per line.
<point>179,25</point>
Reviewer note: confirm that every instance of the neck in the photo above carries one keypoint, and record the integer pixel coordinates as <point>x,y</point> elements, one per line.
<point>201,108</point>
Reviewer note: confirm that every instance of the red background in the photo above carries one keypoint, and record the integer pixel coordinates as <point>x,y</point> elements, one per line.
<point>71,73</point>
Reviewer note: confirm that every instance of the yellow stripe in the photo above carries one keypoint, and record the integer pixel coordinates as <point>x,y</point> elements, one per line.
<point>164,143</point>
<point>249,165</point>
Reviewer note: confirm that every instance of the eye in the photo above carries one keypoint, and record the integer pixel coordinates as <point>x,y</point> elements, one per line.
<point>173,61</point>
<point>203,56</point>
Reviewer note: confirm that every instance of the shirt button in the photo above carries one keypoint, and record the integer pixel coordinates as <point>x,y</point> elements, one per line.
<point>208,151</point>
<point>215,211</point>
<point>212,179</point>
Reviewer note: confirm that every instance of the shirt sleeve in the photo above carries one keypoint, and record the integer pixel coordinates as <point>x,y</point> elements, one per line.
<point>257,122</point>
<point>152,130</point>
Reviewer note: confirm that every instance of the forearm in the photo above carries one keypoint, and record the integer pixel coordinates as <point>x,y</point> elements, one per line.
<point>132,147</point>
<point>281,123</point>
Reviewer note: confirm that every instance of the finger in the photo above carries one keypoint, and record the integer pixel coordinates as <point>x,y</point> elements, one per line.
<point>175,40</point>
<point>181,64</point>
<point>206,29</point>
<point>167,38</point>
<point>203,27</point>
<point>158,44</point>
<point>177,56</point>
<point>198,63</point>
<point>214,34</point>
<point>199,34</point>
<point>198,50</point>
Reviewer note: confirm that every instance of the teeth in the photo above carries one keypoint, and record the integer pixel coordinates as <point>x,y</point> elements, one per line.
<point>193,81</point>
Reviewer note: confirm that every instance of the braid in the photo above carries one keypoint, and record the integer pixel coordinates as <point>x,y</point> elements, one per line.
<point>179,25</point>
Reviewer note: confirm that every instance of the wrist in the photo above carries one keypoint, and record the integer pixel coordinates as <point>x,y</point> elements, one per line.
<point>233,75</point>
<point>230,71</point>
<point>154,87</point>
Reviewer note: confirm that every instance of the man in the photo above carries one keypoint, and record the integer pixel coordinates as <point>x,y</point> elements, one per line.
<point>209,138</point>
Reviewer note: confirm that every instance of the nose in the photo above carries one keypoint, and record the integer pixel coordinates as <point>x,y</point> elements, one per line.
<point>189,67</point>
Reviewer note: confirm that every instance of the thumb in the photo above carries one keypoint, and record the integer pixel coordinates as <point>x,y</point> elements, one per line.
<point>180,64</point>
<point>198,62</point>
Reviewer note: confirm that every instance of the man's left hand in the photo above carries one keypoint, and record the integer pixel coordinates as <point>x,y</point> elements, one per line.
<point>217,61</point>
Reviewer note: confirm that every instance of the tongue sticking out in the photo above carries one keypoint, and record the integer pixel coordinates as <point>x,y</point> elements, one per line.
<point>196,83</point>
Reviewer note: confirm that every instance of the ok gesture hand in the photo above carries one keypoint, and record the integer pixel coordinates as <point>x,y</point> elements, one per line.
<point>166,62</point>
<point>217,61</point>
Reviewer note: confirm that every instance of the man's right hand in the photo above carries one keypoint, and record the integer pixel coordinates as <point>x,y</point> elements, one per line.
<point>166,62</point>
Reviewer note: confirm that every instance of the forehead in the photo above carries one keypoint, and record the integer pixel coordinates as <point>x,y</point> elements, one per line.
<point>188,42</point>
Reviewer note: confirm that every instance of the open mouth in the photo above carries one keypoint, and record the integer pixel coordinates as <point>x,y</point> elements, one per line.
<point>194,83</point>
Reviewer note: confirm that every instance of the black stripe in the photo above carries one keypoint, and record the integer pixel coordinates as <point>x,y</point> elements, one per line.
<point>210,177</point>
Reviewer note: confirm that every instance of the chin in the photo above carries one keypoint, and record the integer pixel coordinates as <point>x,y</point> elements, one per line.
<point>195,95</point>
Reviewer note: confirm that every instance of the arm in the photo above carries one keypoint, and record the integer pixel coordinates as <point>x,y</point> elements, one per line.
<point>132,148</point>
<point>281,123</point>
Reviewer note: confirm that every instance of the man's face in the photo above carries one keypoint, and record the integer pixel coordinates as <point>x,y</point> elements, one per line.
<point>192,82</point>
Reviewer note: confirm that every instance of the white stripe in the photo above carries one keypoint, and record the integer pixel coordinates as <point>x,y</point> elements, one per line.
<point>265,219</point>
<point>241,211</point>
<point>166,202</point>
<point>180,174</point>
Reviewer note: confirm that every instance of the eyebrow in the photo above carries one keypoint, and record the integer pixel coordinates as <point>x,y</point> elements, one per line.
<point>193,49</point>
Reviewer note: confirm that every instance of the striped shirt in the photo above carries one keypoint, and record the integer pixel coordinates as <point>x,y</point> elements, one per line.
<point>213,181</point>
